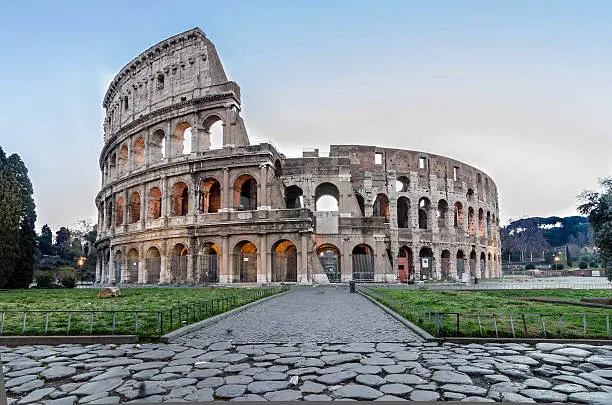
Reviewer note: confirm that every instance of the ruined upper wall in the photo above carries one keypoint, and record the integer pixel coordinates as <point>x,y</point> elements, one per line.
<point>181,68</point>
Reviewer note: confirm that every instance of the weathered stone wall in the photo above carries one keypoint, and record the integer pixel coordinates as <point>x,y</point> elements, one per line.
<point>246,213</point>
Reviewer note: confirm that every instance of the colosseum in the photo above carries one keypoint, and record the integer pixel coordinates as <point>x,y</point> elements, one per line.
<point>185,197</point>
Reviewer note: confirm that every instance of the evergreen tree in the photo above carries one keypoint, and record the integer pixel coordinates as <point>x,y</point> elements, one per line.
<point>45,240</point>
<point>9,221</point>
<point>62,242</point>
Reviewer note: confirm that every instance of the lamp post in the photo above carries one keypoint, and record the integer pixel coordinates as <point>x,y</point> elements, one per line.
<point>81,263</point>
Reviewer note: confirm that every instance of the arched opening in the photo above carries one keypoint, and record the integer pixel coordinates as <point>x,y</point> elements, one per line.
<point>329,257</point>
<point>445,264</point>
<point>403,213</point>
<point>426,261</point>
<point>245,262</point>
<point>123,162</point>
<point>245,193</point>
<point>133,260</point>
<point>182,139</point>
<point>327,197</point>
<point>472,264</point>
<point>278,169</point>
<point>363,263</point>
<point>460,263</point>
<point>109,214</point>
<point>154,203</point>
<point>152,265</point>
<point>405,264</point>
<point>134,208</point>
<point>294,197</point>
<point>471,223</point>
<point>381,207</point>
<point>210,196</point>
<point>483,264</point>
<point>284,262</point>
<point>138,151</point>
<point>119,211</point>
<point>442,213</point>
<point>360,203</point>
<point>113,167</point>
<point>180,199</point>
<point>488,223</point>
<point>490,264</point>
<point>178,267</point>
<point>212,133</point>
<point>493,226</point>
<point>424,206</point>
<point>118,266</point>
<point>458,221</point>
<point>470,195</point>
<point>481,225</point>
<point>402,184</point>
<point>208,264</point>
<point>157,146</point>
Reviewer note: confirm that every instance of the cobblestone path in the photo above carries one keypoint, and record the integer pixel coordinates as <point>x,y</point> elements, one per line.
<point>307,314</point>
<point>97,374</point>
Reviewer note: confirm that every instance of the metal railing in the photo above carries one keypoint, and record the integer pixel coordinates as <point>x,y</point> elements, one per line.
<point>502,286</point>
<point>144,323</point>
<point>518,325</point>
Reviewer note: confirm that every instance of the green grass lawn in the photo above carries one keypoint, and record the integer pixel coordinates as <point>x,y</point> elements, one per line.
<point>156,307</point>
<point>417,304</point>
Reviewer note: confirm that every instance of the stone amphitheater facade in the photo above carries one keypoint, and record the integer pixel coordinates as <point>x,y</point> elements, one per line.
<point>178,206</point>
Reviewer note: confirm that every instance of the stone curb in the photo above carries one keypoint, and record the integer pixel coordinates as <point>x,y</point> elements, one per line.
<point>463,340</point>
<point>426,336</point>
<point>11,341</point>
<point>168,337</point>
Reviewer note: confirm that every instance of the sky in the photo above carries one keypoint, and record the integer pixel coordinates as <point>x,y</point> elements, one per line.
<point>518,89</point>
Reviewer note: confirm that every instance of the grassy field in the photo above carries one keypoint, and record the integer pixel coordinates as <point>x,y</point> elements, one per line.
<point>141,311</point>
<point>495,309</point>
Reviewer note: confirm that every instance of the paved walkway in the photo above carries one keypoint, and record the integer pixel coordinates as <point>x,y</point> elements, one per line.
<point>307,314</point>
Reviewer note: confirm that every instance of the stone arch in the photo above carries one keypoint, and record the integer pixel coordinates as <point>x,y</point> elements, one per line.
<point>330,259</point>
<point>157,146</point>
<point>363,263</point>
<point>210,195</point>
<point>278,168</point>
<point>138,152</point>
<point>458,215</point>
<point>245,193</point>
<point>405,264</point>
<point>152,265</point>
<point>402,184</point>
<point>119,208</point>
<point>245,262</point>
<point>182,139</point>
<point>123,159</point>
<point>424,206</point>
<point>118,262</point>
<point>294,197</point>
<point>327,197</point>
<point>426,257</point>
<point>473,264</point>
<point>207,270</point>
<point>403,213</point>
<point>134,207</point>
<point>483,264</point>
<point>381,206</point>
<point>460,258</point>
<point>180,199</point>
<point>442,213</point>
<point>471,222</point>
<point>178,263</point>
<point>470,195</point>
<point>109,214</point>
<point>212,132</point>
<point>481,225</point>
<point>133,259</point>
<point>488,219</point>
<point>113,166</point>
<point>445,264</point>
<point>284,261</point>
<point>154,203</point>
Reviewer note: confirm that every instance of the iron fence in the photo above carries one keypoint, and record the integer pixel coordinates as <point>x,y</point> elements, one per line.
<point>502,286</point>
<point>144,323</point>
<point>518,325</point>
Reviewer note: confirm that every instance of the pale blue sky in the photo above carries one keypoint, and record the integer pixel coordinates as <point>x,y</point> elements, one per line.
<point>520,89</point>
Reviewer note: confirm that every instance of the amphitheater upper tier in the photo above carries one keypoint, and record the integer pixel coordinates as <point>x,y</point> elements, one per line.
<point>185,198</point>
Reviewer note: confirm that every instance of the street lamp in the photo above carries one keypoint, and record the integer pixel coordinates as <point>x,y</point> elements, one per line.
<point>81,263</point>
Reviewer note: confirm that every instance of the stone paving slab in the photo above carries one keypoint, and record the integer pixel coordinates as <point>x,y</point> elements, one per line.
<point>307,314</point>
<point>365,371</point>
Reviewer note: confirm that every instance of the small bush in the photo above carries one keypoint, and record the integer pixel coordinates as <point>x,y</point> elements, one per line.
<point>594,265</point>
<point>530,266</point>
<point>67,276</point>
<point>583,265</point>
<point>44,279</point>
<point>557,266</point>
